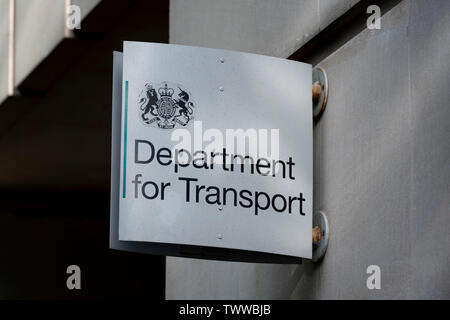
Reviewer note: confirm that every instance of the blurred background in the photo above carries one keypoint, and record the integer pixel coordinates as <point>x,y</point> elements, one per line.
<point>55,133</point>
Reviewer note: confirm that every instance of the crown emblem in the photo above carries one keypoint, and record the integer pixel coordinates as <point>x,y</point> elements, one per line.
<point>165,91</point>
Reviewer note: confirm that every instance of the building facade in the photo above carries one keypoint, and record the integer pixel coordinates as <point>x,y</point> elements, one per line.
<point>381,148</point>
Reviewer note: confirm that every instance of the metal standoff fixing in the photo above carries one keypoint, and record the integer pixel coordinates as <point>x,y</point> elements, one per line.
<point>320,235</point>
<point>319,91</point>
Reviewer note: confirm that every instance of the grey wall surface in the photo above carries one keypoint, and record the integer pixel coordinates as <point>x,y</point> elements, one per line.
<point>86,6</point>
<point>275,28</point>
<point>381,171</point>
<point>429,99</point>
<point>4,33</point>
<point>39,27</point>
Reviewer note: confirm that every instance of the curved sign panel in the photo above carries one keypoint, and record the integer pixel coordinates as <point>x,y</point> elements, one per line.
<point>211,149</point>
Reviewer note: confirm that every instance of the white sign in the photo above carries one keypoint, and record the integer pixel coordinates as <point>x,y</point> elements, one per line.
<point>215,150</point>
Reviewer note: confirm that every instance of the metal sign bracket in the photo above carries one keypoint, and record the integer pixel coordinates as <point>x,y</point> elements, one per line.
<point>319,91</point>
<point>320,235</point>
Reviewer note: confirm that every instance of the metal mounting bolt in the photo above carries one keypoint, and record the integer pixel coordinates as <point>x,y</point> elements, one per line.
<point>316,234</point>
<point>320,235</point>
<point>316,91</point>
<point>319,91</point>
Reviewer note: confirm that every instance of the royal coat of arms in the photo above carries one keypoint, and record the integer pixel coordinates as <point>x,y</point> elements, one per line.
<point>165,105</point>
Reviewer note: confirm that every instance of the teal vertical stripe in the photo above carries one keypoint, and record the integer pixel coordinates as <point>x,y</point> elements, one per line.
<point>125,121</point>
